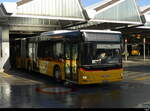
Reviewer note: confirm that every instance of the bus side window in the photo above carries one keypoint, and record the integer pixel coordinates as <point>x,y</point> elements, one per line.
<point>58,50</point>
<point>41,50</point>
<point>75,51</point>
<point>67,51</point>
<point>45,49</point>
<point>18,50</point>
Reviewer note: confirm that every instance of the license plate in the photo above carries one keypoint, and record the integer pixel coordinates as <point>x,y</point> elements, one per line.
<point>105,75</point>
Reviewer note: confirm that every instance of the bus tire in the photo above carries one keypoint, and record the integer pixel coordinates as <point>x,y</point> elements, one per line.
<point>68,84</point>
<point>57,74</point>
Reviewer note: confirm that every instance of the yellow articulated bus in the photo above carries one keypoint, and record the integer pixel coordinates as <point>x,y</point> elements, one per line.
<point>135,50</point>
<point>80,57</point>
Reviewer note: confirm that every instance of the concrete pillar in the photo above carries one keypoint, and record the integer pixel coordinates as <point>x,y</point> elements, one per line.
<point>4,48</point>
<point>144,49</point>
<point>126,49</point>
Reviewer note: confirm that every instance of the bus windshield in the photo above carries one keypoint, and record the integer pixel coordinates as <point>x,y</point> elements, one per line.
<point>101,54</point>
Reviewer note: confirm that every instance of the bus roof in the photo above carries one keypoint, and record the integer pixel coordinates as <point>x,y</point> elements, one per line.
<point>56,32</point>
<point>69,31</point>
<point>101,31</point>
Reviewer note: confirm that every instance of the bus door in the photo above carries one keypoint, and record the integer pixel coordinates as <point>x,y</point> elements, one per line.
<point>31,64</point>
<point>71,56</point>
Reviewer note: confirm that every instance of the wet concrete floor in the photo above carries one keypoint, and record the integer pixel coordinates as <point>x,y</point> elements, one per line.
<point>18,89</point>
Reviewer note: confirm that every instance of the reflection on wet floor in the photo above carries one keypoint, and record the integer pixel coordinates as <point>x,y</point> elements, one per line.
<point>17,91</point>
<point>85,97</point>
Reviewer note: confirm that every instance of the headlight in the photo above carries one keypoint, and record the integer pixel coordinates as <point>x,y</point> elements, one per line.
<point>84,77</point>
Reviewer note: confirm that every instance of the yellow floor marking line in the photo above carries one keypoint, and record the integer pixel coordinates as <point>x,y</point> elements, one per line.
<point>142,78</point>
<point>6,75</point>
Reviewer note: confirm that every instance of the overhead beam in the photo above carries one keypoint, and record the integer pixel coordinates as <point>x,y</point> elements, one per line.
<point>29,28</point>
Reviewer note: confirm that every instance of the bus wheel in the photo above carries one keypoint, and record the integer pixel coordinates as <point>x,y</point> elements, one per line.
<point>68,84</point>
<point>57,74</point>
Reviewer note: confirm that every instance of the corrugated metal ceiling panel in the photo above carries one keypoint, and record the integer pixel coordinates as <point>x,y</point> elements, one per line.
<point>53,8</point>
<point>125,11</point>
